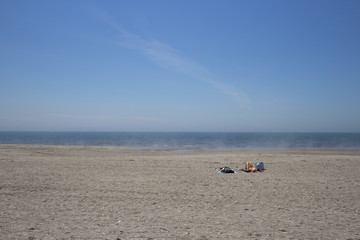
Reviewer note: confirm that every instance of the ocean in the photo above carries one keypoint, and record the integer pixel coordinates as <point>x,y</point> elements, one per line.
<point>185,140</point>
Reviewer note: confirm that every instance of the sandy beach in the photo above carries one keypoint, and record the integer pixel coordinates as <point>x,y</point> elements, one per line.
<point>80,192</point>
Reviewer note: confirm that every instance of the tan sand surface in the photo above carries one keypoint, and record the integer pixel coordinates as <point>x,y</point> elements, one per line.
<point>68,192</point>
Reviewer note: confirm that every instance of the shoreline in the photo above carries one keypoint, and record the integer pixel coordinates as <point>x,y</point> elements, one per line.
<point>107,192</point>
<point>177,151</point>
<point>187,140</point>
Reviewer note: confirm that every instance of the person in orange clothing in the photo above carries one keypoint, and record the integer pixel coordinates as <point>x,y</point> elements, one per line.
<point>249,167</point>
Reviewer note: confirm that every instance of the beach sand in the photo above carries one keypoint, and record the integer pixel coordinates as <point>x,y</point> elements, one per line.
<point>80,192</point>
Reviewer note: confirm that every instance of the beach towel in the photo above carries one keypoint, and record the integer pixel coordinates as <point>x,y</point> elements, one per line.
<point>244,170</point>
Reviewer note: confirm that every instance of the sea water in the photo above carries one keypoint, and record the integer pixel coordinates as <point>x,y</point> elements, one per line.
<point>186,140</point>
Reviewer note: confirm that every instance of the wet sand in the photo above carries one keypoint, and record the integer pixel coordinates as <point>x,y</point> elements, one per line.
<point>67,192</point>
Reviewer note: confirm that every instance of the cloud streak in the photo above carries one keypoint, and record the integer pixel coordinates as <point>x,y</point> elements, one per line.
<point>105,117</point>
<point>166,56</point>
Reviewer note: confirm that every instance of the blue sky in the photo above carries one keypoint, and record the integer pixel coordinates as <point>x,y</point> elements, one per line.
<point>180,65</point>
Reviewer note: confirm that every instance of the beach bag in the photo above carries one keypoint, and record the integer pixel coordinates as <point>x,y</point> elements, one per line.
<point>260,166</point>
<point>227,170</point>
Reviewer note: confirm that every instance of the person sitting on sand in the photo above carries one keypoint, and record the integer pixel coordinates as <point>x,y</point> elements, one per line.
<point>249,167</point>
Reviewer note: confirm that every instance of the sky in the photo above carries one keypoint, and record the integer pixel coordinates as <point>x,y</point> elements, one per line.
<point>190,65</point>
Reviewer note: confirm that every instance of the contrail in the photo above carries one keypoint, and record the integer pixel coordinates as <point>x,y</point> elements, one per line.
<point>168,57</point>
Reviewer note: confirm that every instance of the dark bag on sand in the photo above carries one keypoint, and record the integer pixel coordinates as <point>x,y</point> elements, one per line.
<point>227,170</point>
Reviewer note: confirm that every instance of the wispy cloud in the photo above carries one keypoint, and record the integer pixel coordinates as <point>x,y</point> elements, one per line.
<point>170,58</point>
<point>105,117</point>
<point>69,121</point>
